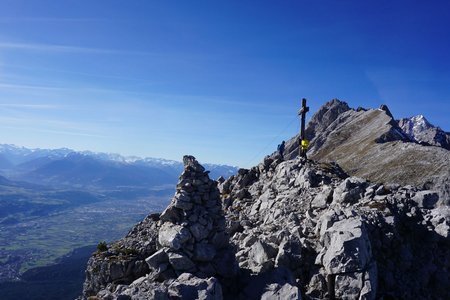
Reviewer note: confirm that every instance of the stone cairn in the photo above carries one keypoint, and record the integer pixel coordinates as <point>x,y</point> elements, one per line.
<point>192,237</point>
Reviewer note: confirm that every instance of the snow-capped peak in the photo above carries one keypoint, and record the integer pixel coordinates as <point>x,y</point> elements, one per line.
<point>17,155</point>
<point>420,123</point>
<point>415,125</point>
<point>420,130</point>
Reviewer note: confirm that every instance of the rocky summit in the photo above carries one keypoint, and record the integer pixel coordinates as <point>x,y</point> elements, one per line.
<point>370,143</point>
<point>288,229</point>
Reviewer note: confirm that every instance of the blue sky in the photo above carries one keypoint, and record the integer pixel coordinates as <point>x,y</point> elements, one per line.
<point>221,80</point>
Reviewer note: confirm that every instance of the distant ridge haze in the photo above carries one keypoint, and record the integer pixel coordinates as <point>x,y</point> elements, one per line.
<point>68,168</point>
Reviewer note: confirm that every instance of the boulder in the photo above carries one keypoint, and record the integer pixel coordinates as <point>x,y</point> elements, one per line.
<point>171,214</point>
<point>322,199</point>
<point>157,258</point>
<point>346,247</point>
<point>180,261</point>
<point>261,257</point>
<point>173,236</point>
<point>347,259</point>
<point>286,291</point>
<point>182,201</point>
<point>188,286</point>
<point>350,190</point>
<point>426,199</point>
<point>289,253</point>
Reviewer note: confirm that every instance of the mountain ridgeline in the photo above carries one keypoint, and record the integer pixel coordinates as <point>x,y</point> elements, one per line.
<point>371,144</point>
<point>38,182</point>
<point>88,170</point>
<point>366,216</point>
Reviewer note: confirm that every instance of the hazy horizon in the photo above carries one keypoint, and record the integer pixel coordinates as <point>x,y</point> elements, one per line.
<point>220,81</point>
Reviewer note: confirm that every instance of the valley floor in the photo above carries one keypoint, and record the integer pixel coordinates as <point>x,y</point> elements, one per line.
<point>37,242</point>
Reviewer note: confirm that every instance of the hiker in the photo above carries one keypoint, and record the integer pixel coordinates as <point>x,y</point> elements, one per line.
<point>281,149</point>
<point>304,147</point>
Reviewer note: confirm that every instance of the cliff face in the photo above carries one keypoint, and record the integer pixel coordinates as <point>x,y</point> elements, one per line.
<point>282,230</point>
<point>293,229</point>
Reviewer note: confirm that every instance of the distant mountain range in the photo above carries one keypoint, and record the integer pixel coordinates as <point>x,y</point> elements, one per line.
<point>52,201</point>
<point>89,170</point>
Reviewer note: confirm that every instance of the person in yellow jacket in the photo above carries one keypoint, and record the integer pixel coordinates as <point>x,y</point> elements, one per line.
<point>304,147</point>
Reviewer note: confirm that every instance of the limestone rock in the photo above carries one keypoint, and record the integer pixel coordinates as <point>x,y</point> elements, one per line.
<point>187,286</point>
<point>204,252</point>
<point>261,256</point>
<point>346,247</point>
<point>157,258</point>
<point>426,199</point>
<point>323,198</point>
<point>281,292</point>
<point>180,262</point>
<point>350,190</point>
<point>173,236</point>
<point>350,246</point>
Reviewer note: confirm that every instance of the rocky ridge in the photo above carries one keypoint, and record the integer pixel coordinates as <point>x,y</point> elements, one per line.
<point>289,230</point>
<point>338,235</point>
<point>369,143</point>
<point>298,229</point>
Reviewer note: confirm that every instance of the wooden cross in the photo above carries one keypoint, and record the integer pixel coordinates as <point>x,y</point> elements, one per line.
<point>303,143</point>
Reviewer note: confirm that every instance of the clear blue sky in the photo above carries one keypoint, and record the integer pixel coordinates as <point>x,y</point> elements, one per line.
<point>221,80</point>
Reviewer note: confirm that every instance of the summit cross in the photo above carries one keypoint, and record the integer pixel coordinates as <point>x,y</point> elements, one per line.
<point>303,143</point>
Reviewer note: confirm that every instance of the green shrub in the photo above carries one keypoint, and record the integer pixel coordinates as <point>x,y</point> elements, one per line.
<point>102,247</point>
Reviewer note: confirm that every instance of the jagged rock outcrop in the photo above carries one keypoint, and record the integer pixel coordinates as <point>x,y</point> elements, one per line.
<point>420,130</point>
<point>368,143</point>
<point>123,261</point>
<point>335,123</point>
<point>319,122</point>
<point>192,236</point>
<point>179,253</point>
<point>336,237</point>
